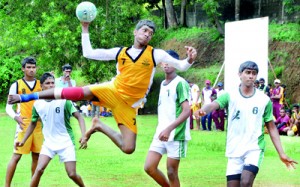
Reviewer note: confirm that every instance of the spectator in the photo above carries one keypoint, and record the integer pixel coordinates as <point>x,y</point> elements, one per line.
<point>218,115</point>
<point>262,85</point>
<point>256,84</point>
<point>277,98</point>
<point>207,93</point>
<point>195,103</point>
<point>295,119</point>
<point>65,80</point>
<point>269,90</point>
<point>282,122</point>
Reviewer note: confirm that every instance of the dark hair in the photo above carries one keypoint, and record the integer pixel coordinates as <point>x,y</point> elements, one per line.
<point>143,22</point>
<point>28,60</point>
<point>295,105</point>
<point>248,65</point>
<point>256,82</point>
<point>45,76</point>
<point>66,66</point>
<point>288,111</point>
<point>173,54</point>
<point>262,79</point>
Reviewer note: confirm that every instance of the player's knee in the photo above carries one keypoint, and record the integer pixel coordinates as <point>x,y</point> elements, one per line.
<point>149,169</point>
<point>72,174</point>
<point>172,173</point>
<point>128,149</point>
<point>39,170</point>
<point>246,182</point>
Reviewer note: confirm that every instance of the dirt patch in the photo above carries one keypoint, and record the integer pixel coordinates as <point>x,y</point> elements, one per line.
<point>280,53</point>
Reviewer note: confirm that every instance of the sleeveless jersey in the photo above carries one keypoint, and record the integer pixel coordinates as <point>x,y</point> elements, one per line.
<point>26,108</point>
<point>135,75</point>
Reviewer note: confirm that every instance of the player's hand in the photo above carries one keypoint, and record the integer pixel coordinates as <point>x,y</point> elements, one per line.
<point>20,122</point>
<point>199,113</point>
<point>85,27</point>
<point>83,142</point>
<point>191,53</point>
<point>164,135</point>
<point>18,144</point>
<point>290,163</point>
<point>12,99</point>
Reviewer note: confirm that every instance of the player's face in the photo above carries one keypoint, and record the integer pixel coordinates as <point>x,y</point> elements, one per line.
<point>143,35</point>
<point>167,68</point>
<point>67,73</point>
<point>248,77</point>
<point>49,83</point>
<point>29,70</point>
<point>282,113</point>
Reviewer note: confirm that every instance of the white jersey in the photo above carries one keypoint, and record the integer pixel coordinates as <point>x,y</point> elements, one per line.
<point>246,118</point>
<point>55,116</point>
<point>169,108</point>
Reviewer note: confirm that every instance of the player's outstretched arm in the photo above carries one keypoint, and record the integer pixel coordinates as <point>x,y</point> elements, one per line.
<point>26,136</point>
<point>83,139</point>
<point>206,109</point>
<point>12,99</point>
<point>191,53</point>
<point>290,163</point>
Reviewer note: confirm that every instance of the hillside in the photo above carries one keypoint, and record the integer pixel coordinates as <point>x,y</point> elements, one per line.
<point>284,57</point>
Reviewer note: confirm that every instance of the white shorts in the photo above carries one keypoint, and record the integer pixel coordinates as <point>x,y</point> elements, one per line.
<point>236,165</point>
<point>65,155</point>
<point>173,149</point>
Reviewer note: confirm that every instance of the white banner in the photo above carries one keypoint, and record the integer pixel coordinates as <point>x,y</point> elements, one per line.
<point>245,40</point>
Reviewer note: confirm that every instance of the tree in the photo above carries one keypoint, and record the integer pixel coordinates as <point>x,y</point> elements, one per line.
<point>211,9</point>
<point>49,31</point>
<point>183,13</point>
<point>237,10</point>
<point>171,16</point>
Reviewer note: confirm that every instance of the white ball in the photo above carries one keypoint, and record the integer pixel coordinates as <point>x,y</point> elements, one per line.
<point>86,11</point>
<point>290,133</point>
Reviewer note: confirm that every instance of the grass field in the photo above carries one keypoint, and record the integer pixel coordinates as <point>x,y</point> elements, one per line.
<point>103,164</point>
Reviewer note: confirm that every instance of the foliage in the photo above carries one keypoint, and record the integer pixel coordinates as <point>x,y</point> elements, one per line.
<point>207,33</point>
<point>290,6</point>
<point>285,32</point>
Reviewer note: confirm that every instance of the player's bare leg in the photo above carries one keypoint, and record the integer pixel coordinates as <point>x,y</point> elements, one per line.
<point>11,168</point>
<point>42,164</point>
<point>124,140</point>
<point>71,170</point>
<point>151,168</point>
<point>35,158</point>
<point>172,167</point>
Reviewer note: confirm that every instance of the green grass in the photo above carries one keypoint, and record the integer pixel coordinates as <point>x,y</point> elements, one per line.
<point>103,164</point>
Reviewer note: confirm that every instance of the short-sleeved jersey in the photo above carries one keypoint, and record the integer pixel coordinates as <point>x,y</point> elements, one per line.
<point>169,108</point>
<point>246,118</point>
<point>26,108</point>
<point>134,77</point>
<point>55,116</point>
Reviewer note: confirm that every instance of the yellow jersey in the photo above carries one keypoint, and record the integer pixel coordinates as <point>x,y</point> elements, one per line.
<point>26,108</point>
<point>135,75</point>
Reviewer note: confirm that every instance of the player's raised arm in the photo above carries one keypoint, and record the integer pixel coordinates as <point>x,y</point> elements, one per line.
<point>182,65</point>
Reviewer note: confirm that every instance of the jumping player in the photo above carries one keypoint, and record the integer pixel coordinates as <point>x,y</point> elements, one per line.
<point>135,66</point>
<point>245,146</point>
